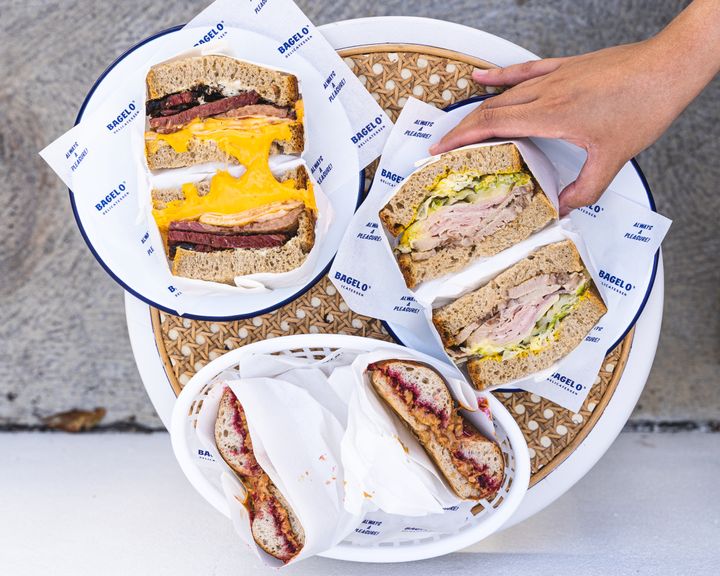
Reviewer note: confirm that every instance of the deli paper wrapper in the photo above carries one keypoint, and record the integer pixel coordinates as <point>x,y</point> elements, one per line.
<point>296,440</point>
<point>389,477</point>
<point>617,239</point>
<point>297,37</point>
<point>102,159</point>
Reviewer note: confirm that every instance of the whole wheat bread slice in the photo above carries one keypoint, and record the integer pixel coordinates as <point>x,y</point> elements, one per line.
<point>230,76</point>
<point>558,257</point>
<point>572,329</point>
<point>279,88</point>
<point>442,431</point>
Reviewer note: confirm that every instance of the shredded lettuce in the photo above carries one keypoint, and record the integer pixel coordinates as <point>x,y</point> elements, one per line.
<point>544,333</point>
<point>458,187</point>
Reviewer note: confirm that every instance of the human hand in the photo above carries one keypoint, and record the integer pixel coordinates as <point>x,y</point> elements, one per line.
<point>613,103</point>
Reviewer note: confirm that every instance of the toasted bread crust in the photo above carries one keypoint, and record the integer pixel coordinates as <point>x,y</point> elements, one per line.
<point>232,438</point>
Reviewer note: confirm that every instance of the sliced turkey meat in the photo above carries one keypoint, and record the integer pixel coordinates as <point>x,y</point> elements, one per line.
<point>516,318</point>
<point>513,324</point>
<point>464,223</point>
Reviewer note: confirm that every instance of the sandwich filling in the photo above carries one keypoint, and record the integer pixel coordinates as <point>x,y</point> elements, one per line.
<point>442,424</point>
<point>463,208</point>
<point>174,111</point>
<point>527,321</point>
<point>264,507</point>
<point>249,141</point>
<point>266,226</point>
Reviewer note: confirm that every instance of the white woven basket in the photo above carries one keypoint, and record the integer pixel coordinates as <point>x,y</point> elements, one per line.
<point>204,473</point>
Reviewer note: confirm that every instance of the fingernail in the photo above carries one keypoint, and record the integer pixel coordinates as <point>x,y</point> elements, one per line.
<point>479,72</point>
<point>433,149</point>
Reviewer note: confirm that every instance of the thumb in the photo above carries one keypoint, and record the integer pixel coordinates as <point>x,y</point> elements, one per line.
<point>593,180</point>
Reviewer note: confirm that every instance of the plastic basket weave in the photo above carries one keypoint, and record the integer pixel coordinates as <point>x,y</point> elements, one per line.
<point>204,473</point>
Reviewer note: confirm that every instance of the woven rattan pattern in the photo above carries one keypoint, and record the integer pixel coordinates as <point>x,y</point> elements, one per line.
<point>391,75</point>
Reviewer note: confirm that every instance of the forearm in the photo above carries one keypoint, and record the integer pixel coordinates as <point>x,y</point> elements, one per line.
<point>688,49</point>
<point>614,103</point>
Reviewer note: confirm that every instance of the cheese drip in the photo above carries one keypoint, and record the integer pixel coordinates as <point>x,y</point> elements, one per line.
<point>249,141</point>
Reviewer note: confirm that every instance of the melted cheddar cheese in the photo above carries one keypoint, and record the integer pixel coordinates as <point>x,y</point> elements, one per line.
<point>248,140</point>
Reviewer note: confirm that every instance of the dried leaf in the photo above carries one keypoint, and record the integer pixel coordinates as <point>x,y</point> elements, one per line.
<point>75,420</point>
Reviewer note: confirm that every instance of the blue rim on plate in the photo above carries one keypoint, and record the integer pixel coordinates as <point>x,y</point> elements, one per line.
<point>139,296</point>
<point>651,201</point>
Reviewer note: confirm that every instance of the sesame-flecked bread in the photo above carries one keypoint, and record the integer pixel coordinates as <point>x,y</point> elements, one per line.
<point>473,465</point>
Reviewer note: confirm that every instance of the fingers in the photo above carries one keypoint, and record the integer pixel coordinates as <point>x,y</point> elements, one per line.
<point>516,73</point>
<point>515,96</point>
<point>593,180</point>
<point>484,123</point>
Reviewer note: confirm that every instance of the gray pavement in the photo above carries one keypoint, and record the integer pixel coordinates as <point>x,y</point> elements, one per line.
<point>63,340</point>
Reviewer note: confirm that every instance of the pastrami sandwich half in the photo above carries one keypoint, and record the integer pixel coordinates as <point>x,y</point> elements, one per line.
<point>208,108</point>
<point>472,464</point>
<point>207,245</point>
<point>274,525</point>
<point>471,203</point>
<point>525,319</point>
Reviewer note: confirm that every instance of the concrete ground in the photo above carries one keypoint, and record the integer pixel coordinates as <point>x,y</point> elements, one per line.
<point>119,504</point>
<point>63,340</point>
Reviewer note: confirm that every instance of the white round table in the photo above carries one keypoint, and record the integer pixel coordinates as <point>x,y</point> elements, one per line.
<point>405,30</point>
